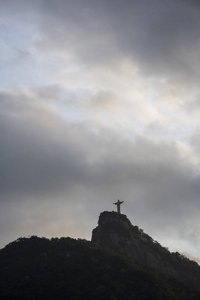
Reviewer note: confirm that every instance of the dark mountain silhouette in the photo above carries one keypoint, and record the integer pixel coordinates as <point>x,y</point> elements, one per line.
<point>116,232</point>
<point>120,263</point>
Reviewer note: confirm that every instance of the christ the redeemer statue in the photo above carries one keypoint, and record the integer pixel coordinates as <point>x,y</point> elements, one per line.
<point>118,203</point>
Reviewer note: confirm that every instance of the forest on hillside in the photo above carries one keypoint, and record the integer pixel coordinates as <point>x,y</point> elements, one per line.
<point>39,268</point>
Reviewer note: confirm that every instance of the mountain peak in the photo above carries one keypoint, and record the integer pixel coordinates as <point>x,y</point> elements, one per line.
<point>112,216</point>
<point>115,232</point>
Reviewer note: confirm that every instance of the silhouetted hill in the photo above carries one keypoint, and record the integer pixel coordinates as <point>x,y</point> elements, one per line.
<point>39,268</point>
<point>116,232</point>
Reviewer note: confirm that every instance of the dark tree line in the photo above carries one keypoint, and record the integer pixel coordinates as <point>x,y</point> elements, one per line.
<point>39,268</point>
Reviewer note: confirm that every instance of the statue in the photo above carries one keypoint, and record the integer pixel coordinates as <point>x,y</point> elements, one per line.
<point>118,203</point>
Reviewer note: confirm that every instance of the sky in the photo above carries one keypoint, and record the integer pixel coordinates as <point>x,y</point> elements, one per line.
<point>100,101</point>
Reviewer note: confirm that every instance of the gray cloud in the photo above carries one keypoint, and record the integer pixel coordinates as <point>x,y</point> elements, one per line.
<point>49,166</point>
<point>161,37</point>
<point>37,151</point>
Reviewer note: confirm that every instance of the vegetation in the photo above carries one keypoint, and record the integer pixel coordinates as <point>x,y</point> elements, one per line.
<point>68,269</point>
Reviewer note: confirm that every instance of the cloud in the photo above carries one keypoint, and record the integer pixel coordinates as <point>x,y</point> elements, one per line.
<point>142,52</point>
<point>99,109</point>
<point>49,165</point>
<point>162,38</point>
<point>35,152</point>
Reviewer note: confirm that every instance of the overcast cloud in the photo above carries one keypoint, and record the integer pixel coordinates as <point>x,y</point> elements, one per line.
<point>99,101</point>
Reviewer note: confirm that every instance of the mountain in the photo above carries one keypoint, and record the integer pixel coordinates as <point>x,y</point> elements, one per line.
<point>116,232</point>
<point>120,263</point>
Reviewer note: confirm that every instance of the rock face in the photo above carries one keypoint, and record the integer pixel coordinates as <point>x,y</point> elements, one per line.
<point>115,232</point>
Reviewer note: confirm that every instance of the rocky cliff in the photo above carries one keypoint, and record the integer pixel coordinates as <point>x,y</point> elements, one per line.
<point>115,232</point>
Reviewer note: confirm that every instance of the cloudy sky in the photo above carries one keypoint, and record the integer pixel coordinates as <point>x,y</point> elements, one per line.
<point>99,101</point>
